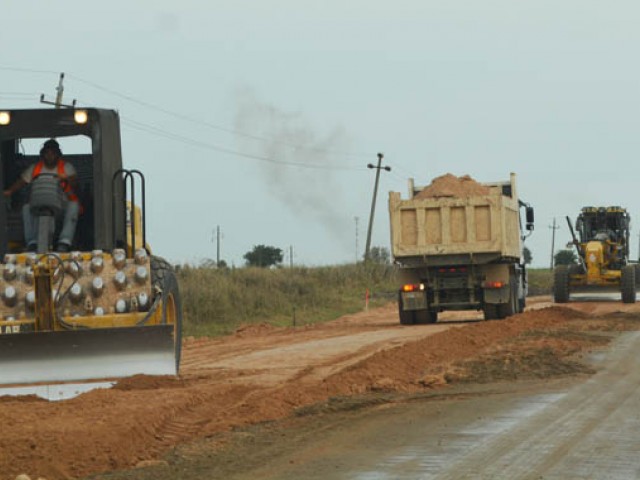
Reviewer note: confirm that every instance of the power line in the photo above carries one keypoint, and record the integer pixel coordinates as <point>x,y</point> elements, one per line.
<point>21,94</point>
<point>208,124</point>
<point>156,131</point>
<point>26,70</point>
<point>197,143</point>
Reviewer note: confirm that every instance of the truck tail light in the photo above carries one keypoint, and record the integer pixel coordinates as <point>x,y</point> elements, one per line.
<point>494,284</point>
<point>413,287</point>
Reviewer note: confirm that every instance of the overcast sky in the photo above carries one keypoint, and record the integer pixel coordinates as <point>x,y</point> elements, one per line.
<point>261,117</point>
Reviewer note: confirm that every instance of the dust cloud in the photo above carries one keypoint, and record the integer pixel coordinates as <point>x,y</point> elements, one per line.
<point>303,169</point>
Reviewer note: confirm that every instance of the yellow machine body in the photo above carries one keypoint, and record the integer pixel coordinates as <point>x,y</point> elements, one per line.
<point>597,259</point>
<point>85,316</point>
<point>602,244</point>
<point>70,317</point>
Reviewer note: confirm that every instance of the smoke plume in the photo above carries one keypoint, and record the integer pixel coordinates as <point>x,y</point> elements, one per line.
<point>306,168</point>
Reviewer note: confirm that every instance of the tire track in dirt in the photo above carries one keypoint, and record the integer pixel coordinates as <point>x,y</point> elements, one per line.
<point>539,446</point>
<point>250,377</point>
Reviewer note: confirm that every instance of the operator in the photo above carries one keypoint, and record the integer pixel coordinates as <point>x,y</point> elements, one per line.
<point>50,162</point>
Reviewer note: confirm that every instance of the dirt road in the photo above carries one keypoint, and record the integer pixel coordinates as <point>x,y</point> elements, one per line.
<point>263,373</point>
<point>552,430</point>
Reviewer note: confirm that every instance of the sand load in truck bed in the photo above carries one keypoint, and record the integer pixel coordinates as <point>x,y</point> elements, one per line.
<point>452,186</point>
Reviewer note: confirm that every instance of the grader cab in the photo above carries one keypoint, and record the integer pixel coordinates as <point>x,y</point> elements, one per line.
<point>105,309</point>
<point>602,245</point>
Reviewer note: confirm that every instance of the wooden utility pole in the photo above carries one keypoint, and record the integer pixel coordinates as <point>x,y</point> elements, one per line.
<point>373,201</point>
<point>356,219</point>
<point>59,92</point>
<point>218,246</point>
<point>553,227</point>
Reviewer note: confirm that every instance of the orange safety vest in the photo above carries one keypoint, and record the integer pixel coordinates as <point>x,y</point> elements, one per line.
<point>66,187</point>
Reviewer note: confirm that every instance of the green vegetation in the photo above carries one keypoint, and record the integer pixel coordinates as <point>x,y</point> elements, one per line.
<point>540,281</point>
<point>263,256</point>
<point>565,257</point>
<point>217,301</point>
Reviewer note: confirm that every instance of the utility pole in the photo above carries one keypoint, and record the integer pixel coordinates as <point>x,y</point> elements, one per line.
<point>290,256</point>
<point>59,92</point>
<point>215,237</point>
<point>218,246</point>
<point>553,227</point>
<point>356,219</point>
<point>373,201</point>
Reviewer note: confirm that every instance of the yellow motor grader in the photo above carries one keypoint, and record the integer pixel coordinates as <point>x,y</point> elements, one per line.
<point>105,309</point>
<point>602,245</point>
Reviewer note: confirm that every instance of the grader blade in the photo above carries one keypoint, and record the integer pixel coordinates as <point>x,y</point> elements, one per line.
<point>91,354</point>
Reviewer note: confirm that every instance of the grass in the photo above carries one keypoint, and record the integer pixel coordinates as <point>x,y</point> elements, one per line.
<point>540,281</point>
<point>218,301</point>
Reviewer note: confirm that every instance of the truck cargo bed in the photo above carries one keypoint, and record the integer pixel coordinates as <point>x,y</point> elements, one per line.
<point>479,228</point>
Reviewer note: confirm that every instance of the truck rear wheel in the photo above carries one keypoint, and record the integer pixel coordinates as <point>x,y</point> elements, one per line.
<point>628,284</point>
<point>490,311</point>
<point>511,307</point>
<point>506,309</point>
<point>561,284</point>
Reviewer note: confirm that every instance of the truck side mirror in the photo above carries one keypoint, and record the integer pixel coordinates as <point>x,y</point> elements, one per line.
<point>530,218</point>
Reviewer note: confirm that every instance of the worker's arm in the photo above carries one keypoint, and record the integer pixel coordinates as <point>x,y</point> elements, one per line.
<point>17,185</point>
<point>73,183</point>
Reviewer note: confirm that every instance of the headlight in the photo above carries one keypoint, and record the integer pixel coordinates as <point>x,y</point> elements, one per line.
<point>80,116</point>
<point>5,118</point>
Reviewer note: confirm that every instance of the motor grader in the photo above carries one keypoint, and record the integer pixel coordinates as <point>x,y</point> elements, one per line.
<point>602,244</point>
<point>105,309</point>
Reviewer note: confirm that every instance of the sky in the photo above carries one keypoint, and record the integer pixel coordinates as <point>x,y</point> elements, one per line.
<point>261,117</point>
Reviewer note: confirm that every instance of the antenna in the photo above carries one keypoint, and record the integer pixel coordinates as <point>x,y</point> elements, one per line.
<point>59,92</point>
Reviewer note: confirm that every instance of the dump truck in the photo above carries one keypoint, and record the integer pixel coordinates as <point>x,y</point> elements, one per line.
<point>460,249</point>
<point>602,245</point>
<point>107,308</point>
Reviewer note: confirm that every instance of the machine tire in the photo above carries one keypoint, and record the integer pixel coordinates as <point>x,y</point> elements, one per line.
<point>628,284</point>
<point>165,283</point>
<point>561,284</point>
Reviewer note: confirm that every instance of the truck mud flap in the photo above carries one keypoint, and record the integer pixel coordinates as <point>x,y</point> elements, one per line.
<point>90,354</point>
<point>410,301</point>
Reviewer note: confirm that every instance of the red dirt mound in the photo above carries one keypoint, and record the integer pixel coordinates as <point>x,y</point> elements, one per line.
<point>142,418</point>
